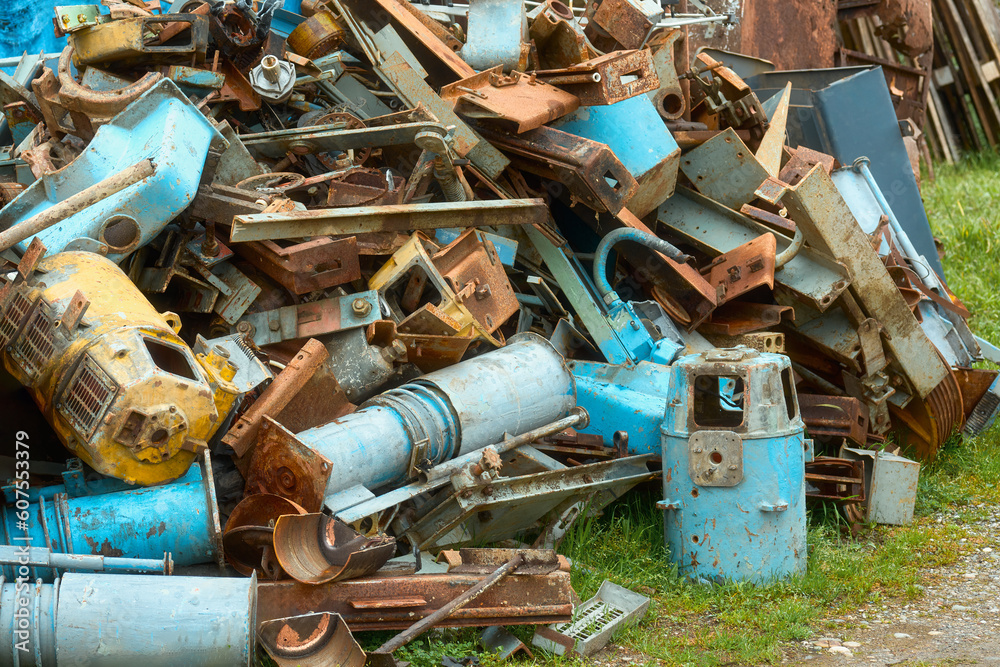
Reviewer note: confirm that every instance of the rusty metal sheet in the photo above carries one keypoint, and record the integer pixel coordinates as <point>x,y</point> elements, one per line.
<point>791,35</point>
<point>430,352</point>
<point>974,383</point>
<point>741,317</point>
<point>829,226</point>
<point>810,277</point>
<point>839,480</point>
<point>557,36</point>
<point>279,393</point>
<point>524,100</point>
<point>314,318</point>
<point>400,217</point>
<point>125,40</point>
<point>391,602</point>
<point>743,269</point>
<point>368,187</point>
<point>589,169</point>
<point>835,416</point>
<point>607,79</point>
<point>307,266</point>
<point>284,466</point>
<point>221,203</point>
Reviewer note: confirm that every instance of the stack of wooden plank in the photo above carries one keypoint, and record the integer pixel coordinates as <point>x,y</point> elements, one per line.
<point>952,94</point>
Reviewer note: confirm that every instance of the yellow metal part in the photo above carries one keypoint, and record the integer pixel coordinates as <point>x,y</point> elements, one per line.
<point>449,316</point>
<point>119,386</point>
<point>134,39</point>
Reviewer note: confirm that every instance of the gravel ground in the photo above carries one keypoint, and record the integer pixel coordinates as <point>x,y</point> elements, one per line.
<point>954,622</point>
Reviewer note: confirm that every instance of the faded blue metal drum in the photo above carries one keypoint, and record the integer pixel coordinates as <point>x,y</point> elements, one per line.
<point>734,467</point>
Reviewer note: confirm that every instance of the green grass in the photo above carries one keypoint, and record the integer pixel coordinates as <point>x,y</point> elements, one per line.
<point>741,624</point>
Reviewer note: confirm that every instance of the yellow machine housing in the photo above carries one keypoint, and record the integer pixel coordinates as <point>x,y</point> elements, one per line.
<point>119,386</point>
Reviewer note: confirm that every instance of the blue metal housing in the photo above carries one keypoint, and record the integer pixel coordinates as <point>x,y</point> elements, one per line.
<point>180,518</point>
<point>116,620</point>
<point>634,131</point>
<point>162,126</point>
<point>629,398</point>
<point>734,467</point>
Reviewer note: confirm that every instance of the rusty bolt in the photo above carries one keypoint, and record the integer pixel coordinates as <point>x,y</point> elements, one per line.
<point>245,328</point>
<point>361,307</point>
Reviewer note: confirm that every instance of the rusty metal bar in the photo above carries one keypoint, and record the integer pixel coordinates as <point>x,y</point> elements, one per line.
<point>281,391</point>
<point>72,205</point>
<point>386,602</point>
<point>428,622</point>
<point>399,217</point>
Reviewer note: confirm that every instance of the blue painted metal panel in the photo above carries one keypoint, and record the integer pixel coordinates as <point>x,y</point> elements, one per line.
<point>177,518</point>
<point>734,490</point>
<point>631,128</point>
<point>847,113</point>
<point>162,126</point>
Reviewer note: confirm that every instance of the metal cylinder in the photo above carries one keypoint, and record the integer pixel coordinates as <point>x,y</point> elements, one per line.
<point>734,467</point>
<point>181,519</point>
<point>444,414</point>
<point>121,389</point>
<point>127,620</point>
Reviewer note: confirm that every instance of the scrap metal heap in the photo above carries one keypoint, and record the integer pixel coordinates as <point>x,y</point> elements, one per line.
<point>315,297</point>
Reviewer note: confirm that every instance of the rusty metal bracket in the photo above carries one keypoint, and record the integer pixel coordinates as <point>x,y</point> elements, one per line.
<point>306,320</point>
<point>521,99</point>
<point>588,168</point>
<point>308,266</point>
<point>835,416</point>
<point>278,394</point>
<point>607,79</point>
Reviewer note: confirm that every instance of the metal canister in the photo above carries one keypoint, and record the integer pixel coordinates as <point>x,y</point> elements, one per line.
<point>734,467</point>
<point>117,620</point>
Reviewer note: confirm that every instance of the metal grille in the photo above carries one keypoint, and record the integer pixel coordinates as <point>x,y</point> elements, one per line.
<point>36,343</point>
<point>593,618</point>
<point>18,308</point>
<point>88,397</point>
<point>984,412</point>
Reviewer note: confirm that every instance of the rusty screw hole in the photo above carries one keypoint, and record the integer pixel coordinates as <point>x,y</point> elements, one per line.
<point>159,436</point>
<point>716,458</point>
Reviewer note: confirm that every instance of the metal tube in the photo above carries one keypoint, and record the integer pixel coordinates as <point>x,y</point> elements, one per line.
<point>46,558</point>
<point>447,413</point>
<point>179,518</point>
<point>72,205</point>
<point>13,62</point>
<point>428,622</point>
<point>926,275</point>
<point>128,620</point>
<point>636,236</point>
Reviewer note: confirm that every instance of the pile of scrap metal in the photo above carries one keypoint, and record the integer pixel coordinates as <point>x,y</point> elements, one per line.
<point>330,300</point>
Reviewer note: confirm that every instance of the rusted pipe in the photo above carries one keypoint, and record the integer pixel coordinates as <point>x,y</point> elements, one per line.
<point>428,622</point>
<point>72,205</point>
